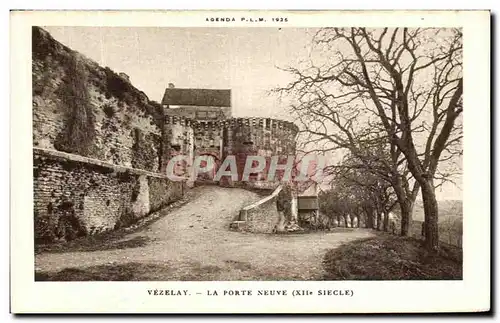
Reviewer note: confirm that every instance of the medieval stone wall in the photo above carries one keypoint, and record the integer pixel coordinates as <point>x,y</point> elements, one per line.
<point>244,137</point>
<point>178,140</point>
<point>117,122</point>
<point>99,146</point>
<point>259,217</point>
<point>76,195</point>
<point>205,113</point>
<point>240,137</point>
<point>263,218</point>
<point>208,138</point>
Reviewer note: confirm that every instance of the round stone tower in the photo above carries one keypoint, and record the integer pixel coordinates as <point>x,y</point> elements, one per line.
<point>243,137</point>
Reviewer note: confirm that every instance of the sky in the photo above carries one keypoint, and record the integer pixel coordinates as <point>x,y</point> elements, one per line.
<point>245,60</point>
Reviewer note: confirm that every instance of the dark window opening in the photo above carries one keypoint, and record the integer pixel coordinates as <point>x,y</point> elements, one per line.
<point>66,205</point>
<point>253,176</point>
<point>50,208</point>
<point>137,133</point>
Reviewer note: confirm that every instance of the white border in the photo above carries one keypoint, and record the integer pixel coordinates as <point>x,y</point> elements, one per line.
<point>402,296</point>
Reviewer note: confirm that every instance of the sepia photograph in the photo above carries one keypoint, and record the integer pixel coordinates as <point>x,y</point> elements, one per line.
<point>261,151</point>
<point>383,107</point>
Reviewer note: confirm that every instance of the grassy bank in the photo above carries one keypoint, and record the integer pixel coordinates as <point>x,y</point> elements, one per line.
<point>450,230</point>
<point>133,271</point>
<point>388,257</point>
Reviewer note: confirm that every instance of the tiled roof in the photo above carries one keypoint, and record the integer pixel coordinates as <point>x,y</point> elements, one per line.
<point>198,97</point>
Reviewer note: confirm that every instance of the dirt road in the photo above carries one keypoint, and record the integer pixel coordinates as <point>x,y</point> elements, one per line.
<point>194,243</point>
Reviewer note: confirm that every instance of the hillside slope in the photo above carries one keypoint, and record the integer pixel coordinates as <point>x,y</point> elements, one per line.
<point>447,209</point>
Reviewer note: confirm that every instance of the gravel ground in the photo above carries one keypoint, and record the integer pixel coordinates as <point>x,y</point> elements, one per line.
<point>193,242</point>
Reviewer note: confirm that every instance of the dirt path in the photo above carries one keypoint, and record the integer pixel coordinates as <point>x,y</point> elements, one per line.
<point>194,243</point>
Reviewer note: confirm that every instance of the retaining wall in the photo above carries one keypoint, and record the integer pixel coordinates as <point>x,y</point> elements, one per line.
<point>259,217</point>
<point>77,196</point>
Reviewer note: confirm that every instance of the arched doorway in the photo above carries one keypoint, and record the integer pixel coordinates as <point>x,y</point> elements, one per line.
<point>212,163</point>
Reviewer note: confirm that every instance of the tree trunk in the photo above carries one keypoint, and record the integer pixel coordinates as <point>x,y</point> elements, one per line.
<point>386,221</point>
<point>369,220</point>
<point>352,221</point>
<point>405,218</point>
<point>431,215</point>
<point>345,221</point>
<point>379,221</point>
<point>280,226</point>
<point>405,206</point>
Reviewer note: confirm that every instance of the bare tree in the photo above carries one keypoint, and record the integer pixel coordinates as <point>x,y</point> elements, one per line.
<point>355,194</point>
<point>400,86</point>
<point>369,187</point>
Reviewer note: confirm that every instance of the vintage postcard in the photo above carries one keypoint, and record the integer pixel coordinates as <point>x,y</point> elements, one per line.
<point>250,162</point>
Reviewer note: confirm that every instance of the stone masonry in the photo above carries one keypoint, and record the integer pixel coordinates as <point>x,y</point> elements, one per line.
<point>76,196</point>
<point>115,174</point>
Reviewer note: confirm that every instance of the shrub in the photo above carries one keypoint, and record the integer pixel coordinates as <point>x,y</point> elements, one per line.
<point>44,231</point>
<point>387,257</point>
<point>143,154</point>
<point>79,131</point>
<point>126,219</point>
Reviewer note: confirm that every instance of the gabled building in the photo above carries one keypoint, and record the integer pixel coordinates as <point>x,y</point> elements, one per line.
<point>197,104</point>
